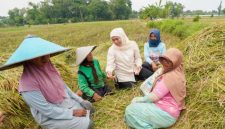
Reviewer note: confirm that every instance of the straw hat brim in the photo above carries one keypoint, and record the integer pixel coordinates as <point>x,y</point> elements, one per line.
<point>16,64</point>
<point>82,53</point>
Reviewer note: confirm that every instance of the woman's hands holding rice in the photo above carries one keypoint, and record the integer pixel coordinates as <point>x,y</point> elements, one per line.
<point>110,76</point>
<point>96,97</point>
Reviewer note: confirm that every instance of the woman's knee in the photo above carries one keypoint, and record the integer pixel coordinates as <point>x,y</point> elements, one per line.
<point>130,109</point>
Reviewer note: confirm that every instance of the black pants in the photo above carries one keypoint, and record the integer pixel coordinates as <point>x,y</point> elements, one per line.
<point>144,74</point>
<point>100,91</point>
<point>147,66</point>
<point>123,85</point>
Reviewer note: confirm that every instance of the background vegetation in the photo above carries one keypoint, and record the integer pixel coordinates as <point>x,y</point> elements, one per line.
<point>204,64</point>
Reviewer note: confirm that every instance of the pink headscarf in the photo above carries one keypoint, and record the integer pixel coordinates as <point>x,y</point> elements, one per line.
<point>175,79</point>
<point>45,79</point>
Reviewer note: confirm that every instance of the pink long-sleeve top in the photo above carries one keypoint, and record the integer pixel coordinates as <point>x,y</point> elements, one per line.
<point>166,101</point>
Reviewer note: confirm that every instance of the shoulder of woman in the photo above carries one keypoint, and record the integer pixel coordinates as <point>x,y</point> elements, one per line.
<point>111,48</point>
<point>95,60</point>
<point>134,43</point>
<point>162,44</point>
<point>146,44</point>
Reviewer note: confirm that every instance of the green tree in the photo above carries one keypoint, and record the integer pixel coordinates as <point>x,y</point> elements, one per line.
<point>166,11</point>
<point>150,11</point>
<point>159,11</point>
<point>121,8</point>
<point>16,16</point>
<point>34,15</point>
<point>100,10</point>
<point>177,10</point>
<point>223,11</point>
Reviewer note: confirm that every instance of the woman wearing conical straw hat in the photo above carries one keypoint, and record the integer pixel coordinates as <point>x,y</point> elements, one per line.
<point>90,75</point>
<point>124,60</point>
<point>162,106</point>
<point>52,103</point>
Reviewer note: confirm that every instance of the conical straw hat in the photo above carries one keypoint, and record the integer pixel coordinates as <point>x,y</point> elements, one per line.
<point>32,47</point>
<point>82,52</point>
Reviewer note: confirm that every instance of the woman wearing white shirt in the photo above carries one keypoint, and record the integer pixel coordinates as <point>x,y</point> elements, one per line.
<point>124,60</point>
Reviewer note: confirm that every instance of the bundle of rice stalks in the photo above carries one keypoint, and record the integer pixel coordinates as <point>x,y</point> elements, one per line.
<point>17,114</point>
<point>204,63</point>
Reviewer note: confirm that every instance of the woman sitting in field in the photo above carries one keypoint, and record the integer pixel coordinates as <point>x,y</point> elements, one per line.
<point>124,60</point>
<point>52,103</point>
<point>162,106</point>
<point>152,50</point>
<point>90,75</point>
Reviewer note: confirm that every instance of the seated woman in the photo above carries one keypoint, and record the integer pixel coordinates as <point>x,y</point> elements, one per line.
<point>124,60</point>
<point>90,75</point>
<point>52,103</point>
<point>152,50</point>
<point>162,106</point>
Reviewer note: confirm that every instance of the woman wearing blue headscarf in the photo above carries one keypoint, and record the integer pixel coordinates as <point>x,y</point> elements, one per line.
<point>153,49</point>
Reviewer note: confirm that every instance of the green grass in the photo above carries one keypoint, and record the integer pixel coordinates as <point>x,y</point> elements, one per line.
<point>179,28</point>
<point>204,64</point>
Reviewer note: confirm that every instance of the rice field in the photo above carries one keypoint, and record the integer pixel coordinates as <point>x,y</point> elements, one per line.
<point>204,54</point>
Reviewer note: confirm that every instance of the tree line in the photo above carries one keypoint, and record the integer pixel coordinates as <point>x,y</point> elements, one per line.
<point>174,9</point>
<point>63,11</point>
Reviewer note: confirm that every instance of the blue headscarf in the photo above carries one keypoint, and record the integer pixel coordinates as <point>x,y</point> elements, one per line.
<point>154,43</point>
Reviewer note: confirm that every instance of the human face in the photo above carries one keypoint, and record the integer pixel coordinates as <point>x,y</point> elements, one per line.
<point>41,61</point>
<point>90,57</point>
<point>167,64</point>
<point>152,36</point>
<point>117,41</point>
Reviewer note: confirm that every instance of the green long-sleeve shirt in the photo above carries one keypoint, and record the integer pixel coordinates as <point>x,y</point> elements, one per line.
<point>82,82</point>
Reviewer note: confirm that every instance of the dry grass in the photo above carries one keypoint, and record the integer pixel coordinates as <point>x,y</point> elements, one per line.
<point>204,62</point>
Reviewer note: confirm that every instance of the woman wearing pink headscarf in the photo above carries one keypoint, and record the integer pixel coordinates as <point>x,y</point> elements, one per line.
<point>162,106</point>
<point>53,105</point>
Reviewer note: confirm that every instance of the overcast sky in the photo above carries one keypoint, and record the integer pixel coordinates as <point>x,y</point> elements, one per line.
<point>207,5</point>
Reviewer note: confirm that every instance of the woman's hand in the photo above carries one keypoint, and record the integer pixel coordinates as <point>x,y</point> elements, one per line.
<point>137,70</point>
<point>109,75</point>
<point>96,97</point>
<point>138,100</point>
<point>154,66</point>
<point>88,106</point>
<point>79,112</point>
